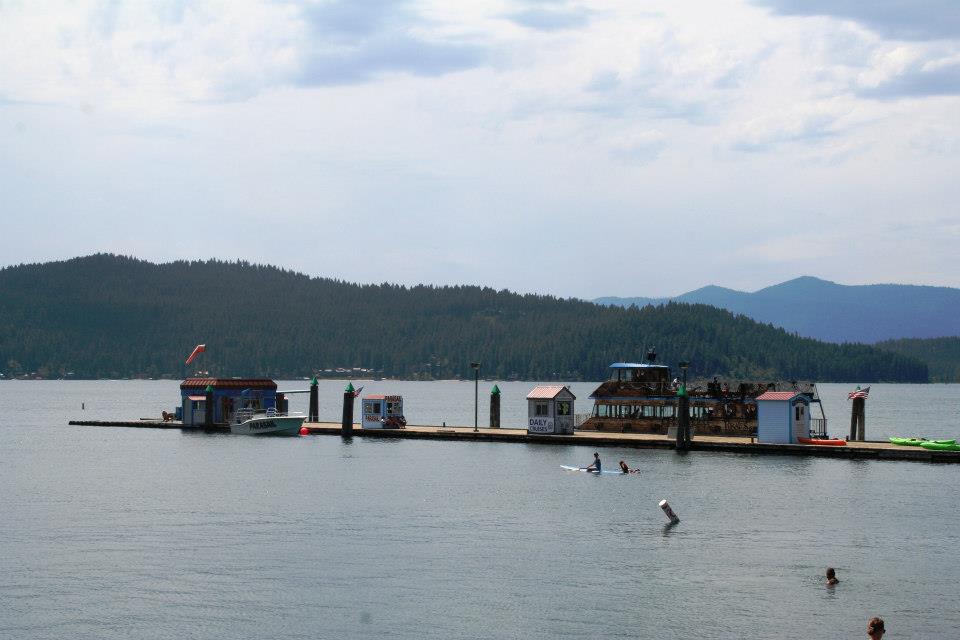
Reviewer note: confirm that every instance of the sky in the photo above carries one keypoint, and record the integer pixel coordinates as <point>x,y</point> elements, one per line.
<point>578,149</point>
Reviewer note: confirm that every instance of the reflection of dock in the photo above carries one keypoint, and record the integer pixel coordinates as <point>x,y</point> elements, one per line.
<point>724,444</point>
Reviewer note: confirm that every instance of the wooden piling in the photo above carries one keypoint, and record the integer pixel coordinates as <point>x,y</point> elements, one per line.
<point>208,406</point>
<point>346,425</point>
<point>314,412</point>
<point>858,420</point>
<point>495,407</point>
<point>683,420</point>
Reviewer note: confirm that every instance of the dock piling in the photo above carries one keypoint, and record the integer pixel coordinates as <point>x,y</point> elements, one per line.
<point>495,407</point>
<point>346,425</point>
<point>858,420</point>
<point>208,407</point>
<point>314,413</point>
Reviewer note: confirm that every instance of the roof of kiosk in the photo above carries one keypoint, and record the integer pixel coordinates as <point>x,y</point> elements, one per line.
<point>547,392</point>
<point>778,395</point>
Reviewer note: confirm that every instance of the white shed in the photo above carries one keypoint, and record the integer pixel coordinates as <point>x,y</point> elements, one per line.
<point>550,409</point>
<point>782,417</point>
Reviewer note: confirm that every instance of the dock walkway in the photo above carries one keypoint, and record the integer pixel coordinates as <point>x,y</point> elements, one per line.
<point>853,450</point>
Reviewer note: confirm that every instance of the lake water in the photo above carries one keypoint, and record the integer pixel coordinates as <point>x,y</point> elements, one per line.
<point>129,533</point>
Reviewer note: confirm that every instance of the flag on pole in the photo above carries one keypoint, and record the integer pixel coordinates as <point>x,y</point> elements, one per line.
<point>200,348</point>
<point>859,393</point>
<point>356,394</point>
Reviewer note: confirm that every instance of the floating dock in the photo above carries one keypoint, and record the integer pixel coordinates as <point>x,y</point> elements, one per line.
<point>726,444</point>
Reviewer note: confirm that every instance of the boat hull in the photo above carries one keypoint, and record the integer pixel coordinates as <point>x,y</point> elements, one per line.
<point>269,426</point>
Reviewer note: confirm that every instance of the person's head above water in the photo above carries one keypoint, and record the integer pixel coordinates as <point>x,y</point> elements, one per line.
<point>875,628</point>
<point>623,466</point>
<point>831,573</point>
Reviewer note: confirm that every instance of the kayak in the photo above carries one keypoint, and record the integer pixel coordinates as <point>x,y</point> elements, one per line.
<point>940,446</point>
<point>835,442</point>
<point>605,472</point>
<point>907,442</point>
<point>917,442</point>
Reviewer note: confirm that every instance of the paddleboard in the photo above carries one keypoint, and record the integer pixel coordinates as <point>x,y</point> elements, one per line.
<point>581,469</point>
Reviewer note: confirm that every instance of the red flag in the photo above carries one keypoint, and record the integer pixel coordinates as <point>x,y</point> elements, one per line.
<point>200,348</point>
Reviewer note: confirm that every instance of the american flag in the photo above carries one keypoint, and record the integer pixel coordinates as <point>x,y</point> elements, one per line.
<point>859,393</point>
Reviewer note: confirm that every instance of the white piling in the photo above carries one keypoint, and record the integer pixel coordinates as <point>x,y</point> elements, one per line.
<point>669,512</point>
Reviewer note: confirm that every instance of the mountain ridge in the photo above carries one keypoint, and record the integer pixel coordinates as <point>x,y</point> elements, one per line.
<point>824,310</point>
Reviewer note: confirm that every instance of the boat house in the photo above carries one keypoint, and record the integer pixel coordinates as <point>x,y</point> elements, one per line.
<point>228,394</point>
<point>782,417</point>
<point>550,409</point>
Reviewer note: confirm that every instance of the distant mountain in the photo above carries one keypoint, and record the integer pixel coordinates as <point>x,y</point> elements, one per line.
<point>111,316</point>
<point>833,312</point>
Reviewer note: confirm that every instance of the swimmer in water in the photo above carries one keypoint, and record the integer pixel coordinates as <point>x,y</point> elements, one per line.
<point>831,577</point>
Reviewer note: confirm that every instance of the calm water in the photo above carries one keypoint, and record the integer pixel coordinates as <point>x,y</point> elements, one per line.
<point>127,533</point>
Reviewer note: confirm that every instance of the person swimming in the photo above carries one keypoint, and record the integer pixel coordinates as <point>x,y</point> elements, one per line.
<point>875,628</point>
<point>595,466</point>
<point>831,577</point>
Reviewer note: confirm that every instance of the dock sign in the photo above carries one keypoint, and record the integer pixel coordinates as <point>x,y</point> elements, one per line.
<point>540,425</point>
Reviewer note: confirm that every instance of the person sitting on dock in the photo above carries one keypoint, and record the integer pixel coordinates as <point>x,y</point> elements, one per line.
<point>595,467</point>
<point>831,577</point>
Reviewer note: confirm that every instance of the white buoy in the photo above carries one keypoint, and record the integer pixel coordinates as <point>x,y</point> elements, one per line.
<point>669,512</point>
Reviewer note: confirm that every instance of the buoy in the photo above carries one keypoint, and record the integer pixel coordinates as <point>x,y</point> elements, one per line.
<point>304,431</point>
<point>669,512</point>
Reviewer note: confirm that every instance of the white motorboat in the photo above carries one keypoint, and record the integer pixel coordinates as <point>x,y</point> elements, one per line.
<point>267,423</point>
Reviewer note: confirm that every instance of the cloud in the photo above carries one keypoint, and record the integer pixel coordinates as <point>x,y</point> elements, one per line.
<point>551,18</point>
<point>638,148</point>
<point>353,42</point>
<point>918,78</point>
<point>895,19</point>
<point>763,134</point>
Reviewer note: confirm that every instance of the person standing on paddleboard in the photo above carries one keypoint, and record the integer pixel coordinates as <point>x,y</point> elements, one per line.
<point>595,467</point>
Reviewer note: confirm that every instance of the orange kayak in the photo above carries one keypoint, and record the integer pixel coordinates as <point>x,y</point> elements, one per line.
<point>823,442</point>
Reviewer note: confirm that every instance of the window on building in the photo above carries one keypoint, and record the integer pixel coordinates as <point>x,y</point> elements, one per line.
<point>563,408</point>
<point>541,409</point>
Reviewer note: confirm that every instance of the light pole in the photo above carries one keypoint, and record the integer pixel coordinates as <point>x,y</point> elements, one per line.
<point>476,396</point>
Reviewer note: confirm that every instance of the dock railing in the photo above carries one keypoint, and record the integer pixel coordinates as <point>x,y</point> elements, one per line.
<point>818,427</point>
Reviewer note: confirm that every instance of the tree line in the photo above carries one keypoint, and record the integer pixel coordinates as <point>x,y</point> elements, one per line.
<point>108,316</point>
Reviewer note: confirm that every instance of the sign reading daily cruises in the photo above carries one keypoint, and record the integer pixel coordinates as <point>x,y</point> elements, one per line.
<point>540,425</point>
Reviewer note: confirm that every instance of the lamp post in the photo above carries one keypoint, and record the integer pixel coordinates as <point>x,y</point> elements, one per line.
<point>476,396</point>
<point>683,426</point>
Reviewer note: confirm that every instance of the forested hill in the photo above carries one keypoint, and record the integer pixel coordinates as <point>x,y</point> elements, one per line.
<point>942,355</point>
<point>111,316</point>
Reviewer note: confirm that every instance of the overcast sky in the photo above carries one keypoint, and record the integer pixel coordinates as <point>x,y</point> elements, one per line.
<point>573,148</point>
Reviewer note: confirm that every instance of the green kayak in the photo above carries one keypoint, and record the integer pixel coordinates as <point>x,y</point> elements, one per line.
<point>918,442</point>
<point>933,445</point>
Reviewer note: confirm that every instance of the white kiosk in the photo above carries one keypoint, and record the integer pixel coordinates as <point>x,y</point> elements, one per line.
<point>550,409</point>
<point>782,417</point>
<point>382,412</point>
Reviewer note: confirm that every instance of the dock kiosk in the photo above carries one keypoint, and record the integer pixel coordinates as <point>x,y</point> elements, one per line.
<point>782,417</point>
<point>228,395</point>
<point>550,409</point>
<point>382,412</point>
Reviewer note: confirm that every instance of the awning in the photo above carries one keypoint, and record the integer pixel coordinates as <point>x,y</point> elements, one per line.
<point>197,398</point>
